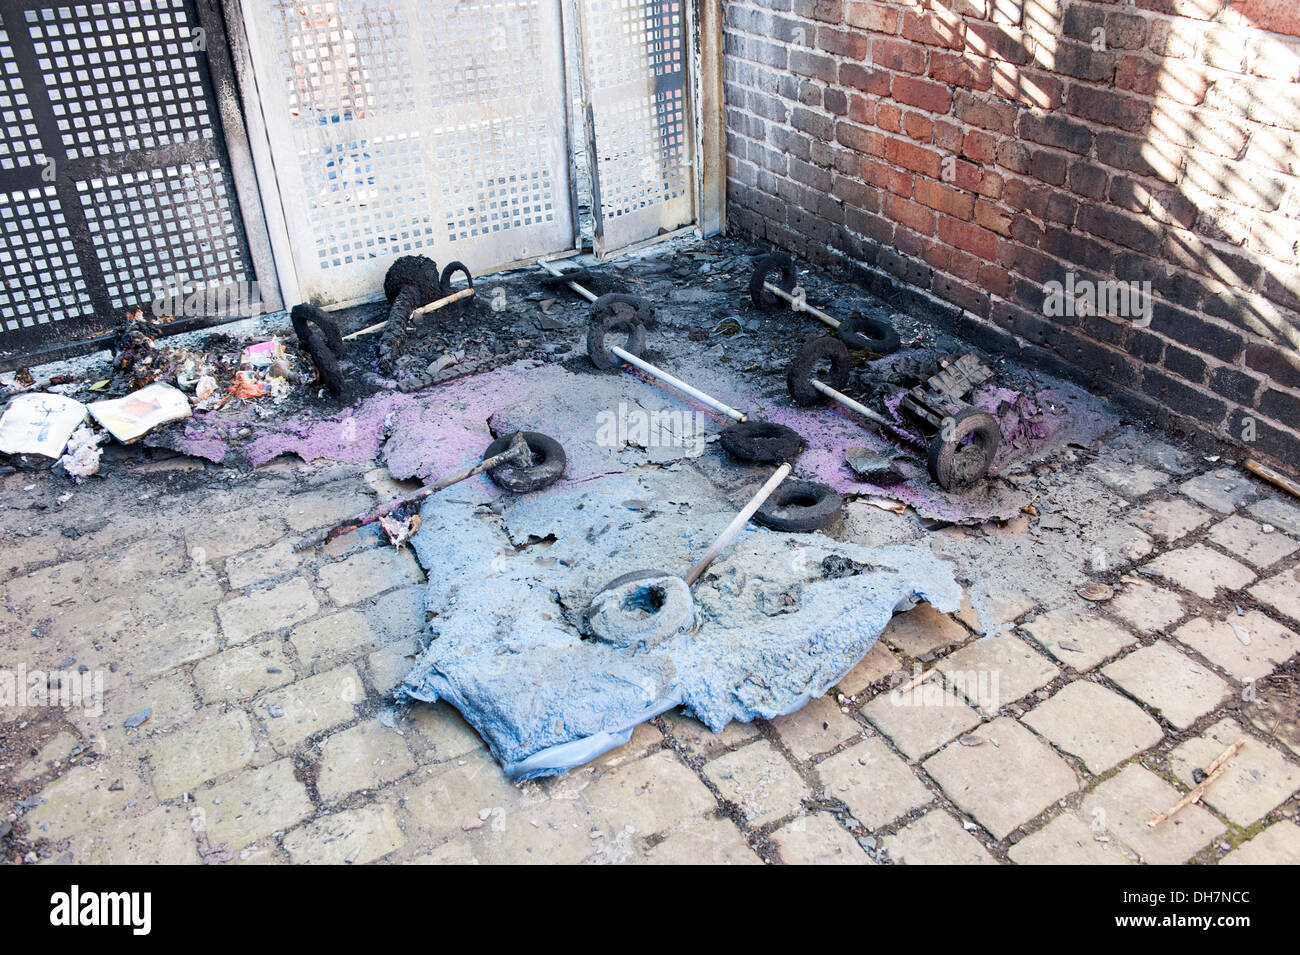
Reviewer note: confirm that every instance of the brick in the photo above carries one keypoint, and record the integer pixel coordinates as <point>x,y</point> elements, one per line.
<point>263,611</point>
<point>956,69</point>
<point>876,17</point>
<point>1281,592</point>
<point>368,573</point>
<point>1223,490</point>
<point>179,761</point>
<point>992,114</point>
<point>253,805</point>
<point>1122,805</point>
<point>1095,724</point>
<point>923,94</point>
<point>1279,844</point>
<point>818,839</point>
<point>1066,840</point>
<point>936,839</point>
<point>1081,639</point>
<point>909,214</point>
<point>1049,129</point>
<point>1005,782</point>
<point>1168,681</point>
<point>1254,782</point>
<point>922,630</point>
<point>911,156</point>
<point>759,780</point>
<point>309,706</point>
<point>995,40</point>
<point>1249,541</point>
<point>243,672</point>
<point>80,799</point>
<point>1223,643</point>
<point>876,785</point>
<point>161,836</point>
<point>354,837</point>
<point>946,31</point>
<point>713,842</point>
<point>921,720</point>
<point>970,238</point>
<point>1202,571</point>
<point>1171,519</point>
<point>817,727</point>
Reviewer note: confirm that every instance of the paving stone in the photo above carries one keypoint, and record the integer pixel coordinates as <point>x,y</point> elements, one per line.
<point>1122,805</point>
<point>713,842</point>
<point>1281,592</point>
<point>817,839</point>
<point>1171,519</point>
<point>922,630</point>
<point>262,563</point>
<point>356,836</point>
<point>205,749</point>
<point>1078,637</point>
<point>1066,841</point>
<point>936,839</point>
<point>243,672</point>
<point>1249,541</point>
<point>390,664</point>
<point>253,805</point>
<point>1279,513</point>
<point>997,670</point>
<point>1201,570</point>
<point>328,506</point>
<point>1095,724</point>
<point>999,608</point>
<point>1116,544</point>
<point>817,727</point>
<point>650,795</point>
<point>759,780</point>
<point>698,740</point>
<point>876,785</point>
<point>265,610</point>
<point>1128,479</point>
<point>1005,782</point>
<point>921,720</point>
<point>368,573</point>
<point>221,533</point>
<point>1257,779</point>
<point>1146,607</point>
<point>1168,681</point>
<point>442,729</point>
<point>471,801</point>
<point>81,799</point>
<point>331,637</point>
<point>1220,642</point>
<point>645,739</point>
<point>55,751</point>
<point>364,756</point>
<point>309,706</point>
<point>1279,844</point>
<point>874,667</point>
<point>1223,490</point>
<point>170,701</point>
<point>162,836</point>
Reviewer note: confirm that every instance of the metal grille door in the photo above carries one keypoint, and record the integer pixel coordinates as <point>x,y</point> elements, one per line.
<point>401,126</point>
<point>639,118</point>
<point>115,190</point>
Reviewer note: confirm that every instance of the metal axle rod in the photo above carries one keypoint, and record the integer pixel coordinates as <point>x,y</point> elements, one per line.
<point>656,372</point>
<point>737,524</point>
<point>799,305</point>
<point>842,399</point>
<point>518,451</point>
<point>589,296</point>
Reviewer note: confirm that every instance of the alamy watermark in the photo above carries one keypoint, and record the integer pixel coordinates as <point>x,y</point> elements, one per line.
<point>69,689</point>
<point>1109,297</point>
<point>668,428</point>
<point>957,687</point>
<point>242,299</point>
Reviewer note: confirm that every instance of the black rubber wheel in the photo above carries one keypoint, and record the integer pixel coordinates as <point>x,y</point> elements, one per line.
<point>966,453</point>
<point>825,359</point>
<point>615,315</point>
<point>863,333</point>
<point>548,463</point>
<point>800,506</point>
<point>444,284</point>
<point>320,336</point>
<point>761,442</point>
<point>764,268</point>
<point>618,303</point>
<point>419,271</point>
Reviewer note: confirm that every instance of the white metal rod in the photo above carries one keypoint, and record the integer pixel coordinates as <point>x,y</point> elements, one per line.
<point>800,305</point>
<point>422,310</point>
<point>847,402</point>
<point>737,524</point>
<point>589,296</point>
<point>677,383</point>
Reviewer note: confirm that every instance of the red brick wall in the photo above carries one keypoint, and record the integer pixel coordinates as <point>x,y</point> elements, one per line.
<point>964,153</point>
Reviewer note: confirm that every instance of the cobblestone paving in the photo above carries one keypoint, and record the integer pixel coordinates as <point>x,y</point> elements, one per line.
<point>247,713</point>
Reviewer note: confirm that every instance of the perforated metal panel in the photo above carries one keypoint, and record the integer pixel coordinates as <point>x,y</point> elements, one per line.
<point>399,126</point>
<point>114,184</point>
<point>635,57</point>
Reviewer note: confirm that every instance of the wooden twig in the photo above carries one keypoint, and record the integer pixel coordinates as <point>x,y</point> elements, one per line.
<point>1212,772</point>
<point>416,313</point>
<point>517,451</point>
<point>917,680</point>
<point>1273,477</point>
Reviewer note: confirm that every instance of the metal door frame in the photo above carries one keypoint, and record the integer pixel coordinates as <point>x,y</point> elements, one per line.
<point>230,150</point>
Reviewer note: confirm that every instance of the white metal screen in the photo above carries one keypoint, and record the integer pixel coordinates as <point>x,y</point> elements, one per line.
<point>635,59</point>
<point>411,126</point>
